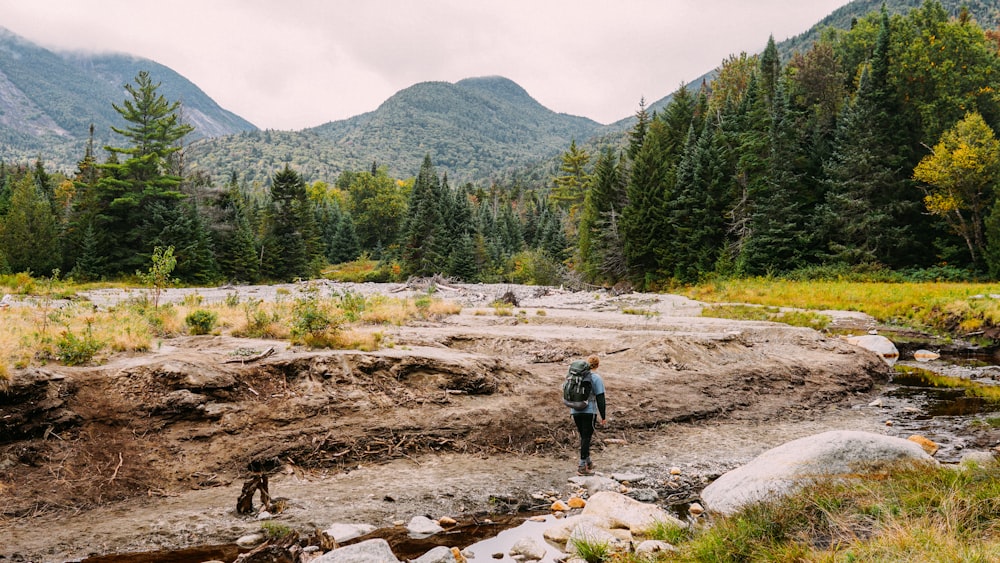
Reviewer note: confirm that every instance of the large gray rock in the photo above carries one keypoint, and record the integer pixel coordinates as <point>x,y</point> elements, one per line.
<point>558,533</point>
<point>369,551</point>
<point>786,468</point>
<point>625,512</point>
<point>878,344</point>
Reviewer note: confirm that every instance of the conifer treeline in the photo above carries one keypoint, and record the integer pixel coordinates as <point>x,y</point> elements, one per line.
<point>875,148</point>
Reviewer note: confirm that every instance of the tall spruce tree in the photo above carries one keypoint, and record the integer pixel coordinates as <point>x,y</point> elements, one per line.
<point>145,176</point>
<point>423,244</point>
<point>29,230</point>
<point>600,249</point>
<point>290,242</point>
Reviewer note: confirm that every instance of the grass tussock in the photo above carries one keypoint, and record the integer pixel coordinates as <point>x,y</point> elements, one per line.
<point>944,307</point>
<point>808,319</point>
<point>915,512</point>
<point>74,332</point>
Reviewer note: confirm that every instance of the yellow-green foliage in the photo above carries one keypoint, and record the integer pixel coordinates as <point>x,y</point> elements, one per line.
<point>941,306</point>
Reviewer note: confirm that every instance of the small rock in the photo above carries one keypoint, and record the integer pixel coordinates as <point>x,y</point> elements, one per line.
<point>654,546</point>
<point>263,515</point>
<point>977,458</point>
<point>644,495</point>
<point>341,532</point>
<point>696,509</point>
<point>675,470</point>
<point>576,502</point>
<point>250,540</point>
<point>447,521</point>
<point>439,554</point>
<point>876,403</point>
<point>631,478</point>
<point>559,506</point>
<point>888,423</point>
<point>423,526</point>
<point>928,445</point>
<point>528,549</point>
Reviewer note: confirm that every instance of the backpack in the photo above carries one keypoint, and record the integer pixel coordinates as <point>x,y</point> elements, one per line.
<point>578,385</point>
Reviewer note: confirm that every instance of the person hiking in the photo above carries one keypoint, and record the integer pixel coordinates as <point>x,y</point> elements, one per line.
<point>586,417</point>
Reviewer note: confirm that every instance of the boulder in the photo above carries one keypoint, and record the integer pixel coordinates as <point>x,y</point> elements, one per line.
<point>878,344</point>
<point>625,512</point>
<point>786,468</point>
<point>370,551</point>
<point>558,533</point>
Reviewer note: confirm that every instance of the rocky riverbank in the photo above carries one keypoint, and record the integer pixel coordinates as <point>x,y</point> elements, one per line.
<point>461,415</point>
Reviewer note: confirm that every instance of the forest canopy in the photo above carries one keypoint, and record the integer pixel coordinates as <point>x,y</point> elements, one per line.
<point>873,149</point>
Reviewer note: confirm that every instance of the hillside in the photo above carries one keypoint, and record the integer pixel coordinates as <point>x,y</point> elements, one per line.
<point>985,12</point>
<point>48,100</point>
<point>471,129</point>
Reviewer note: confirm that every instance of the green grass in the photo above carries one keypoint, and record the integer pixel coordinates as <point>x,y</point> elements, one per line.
<point>913,512</point>
<point>763,313</point>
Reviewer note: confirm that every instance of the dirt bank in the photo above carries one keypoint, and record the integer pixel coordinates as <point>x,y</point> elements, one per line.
<point>461,414</point>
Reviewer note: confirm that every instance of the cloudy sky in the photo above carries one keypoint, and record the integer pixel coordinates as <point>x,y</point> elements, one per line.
<point>293,64</point>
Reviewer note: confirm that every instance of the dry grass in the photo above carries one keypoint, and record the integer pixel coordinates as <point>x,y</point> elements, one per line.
<point>75,332</point>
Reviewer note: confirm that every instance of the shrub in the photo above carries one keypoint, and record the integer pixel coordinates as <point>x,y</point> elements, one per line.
<point>74,350</point>
<point>201,321</point>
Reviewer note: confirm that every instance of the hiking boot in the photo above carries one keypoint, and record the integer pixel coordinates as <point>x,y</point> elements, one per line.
<point>584,469</point>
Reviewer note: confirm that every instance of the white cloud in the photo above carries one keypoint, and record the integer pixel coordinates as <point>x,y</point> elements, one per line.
<point>300,63</point>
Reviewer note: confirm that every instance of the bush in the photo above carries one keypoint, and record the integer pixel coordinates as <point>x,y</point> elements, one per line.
<point>74,350</point>
<point>201,321</point>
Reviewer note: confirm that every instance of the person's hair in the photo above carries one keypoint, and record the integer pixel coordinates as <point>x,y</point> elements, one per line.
<point>594,361</point>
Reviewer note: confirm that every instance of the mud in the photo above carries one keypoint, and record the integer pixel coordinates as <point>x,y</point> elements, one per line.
<point>460,416</point>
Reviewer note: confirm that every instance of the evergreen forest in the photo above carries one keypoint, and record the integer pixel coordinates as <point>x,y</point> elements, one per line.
<point>870,151</point>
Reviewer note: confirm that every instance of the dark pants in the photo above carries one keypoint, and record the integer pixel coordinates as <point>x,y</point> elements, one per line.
<point>585,425</point>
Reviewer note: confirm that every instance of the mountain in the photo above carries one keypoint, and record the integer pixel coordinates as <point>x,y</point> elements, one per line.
<point>985,12</point>
<point>471,129</point>
<point>48,101</point>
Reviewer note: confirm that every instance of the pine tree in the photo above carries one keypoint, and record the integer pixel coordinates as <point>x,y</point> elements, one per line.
<point>128,188</point>
<point>423,244</point>
<point>857,228</point>
<point>602,206</point>
<point>29,231</point>
<point>233,236</point>
<point>779,238</point>
<point>289,233</point>
<point>572,183</point>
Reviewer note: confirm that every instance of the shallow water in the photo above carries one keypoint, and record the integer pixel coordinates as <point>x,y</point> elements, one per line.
<point>942,414</point>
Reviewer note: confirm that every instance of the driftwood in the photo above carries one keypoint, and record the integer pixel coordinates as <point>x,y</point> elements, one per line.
<point>253,358</point>
<point>244,505</point>
<point>282,550</point>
